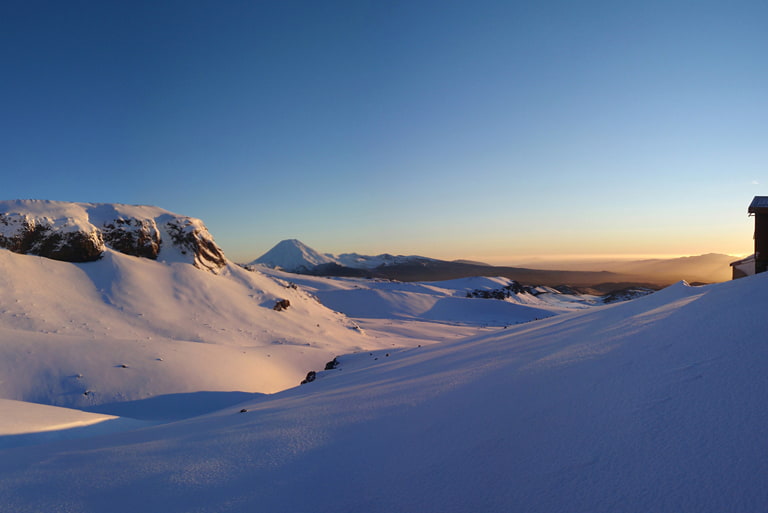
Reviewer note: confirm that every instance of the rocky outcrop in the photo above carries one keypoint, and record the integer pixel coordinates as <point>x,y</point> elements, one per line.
<point>137,237</point>
<point>192,238</point>
<point>21,233</point>
<point>81,232</point>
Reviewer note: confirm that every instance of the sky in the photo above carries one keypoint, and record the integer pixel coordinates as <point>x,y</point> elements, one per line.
<point>489,130</point>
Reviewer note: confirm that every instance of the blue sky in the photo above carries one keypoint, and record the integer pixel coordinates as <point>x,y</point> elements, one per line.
<point>493,130</point>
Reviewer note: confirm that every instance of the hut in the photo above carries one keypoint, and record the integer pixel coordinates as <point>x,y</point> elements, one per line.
<point>757,262</point>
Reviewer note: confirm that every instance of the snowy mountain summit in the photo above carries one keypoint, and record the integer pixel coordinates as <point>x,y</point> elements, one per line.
<point>81,232</point>
<point>292,255</point>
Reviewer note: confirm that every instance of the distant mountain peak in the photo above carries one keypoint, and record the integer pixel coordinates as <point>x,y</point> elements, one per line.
<point>292,255</point>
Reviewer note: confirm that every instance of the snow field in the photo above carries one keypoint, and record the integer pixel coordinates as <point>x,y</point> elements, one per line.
<point>656,404</point>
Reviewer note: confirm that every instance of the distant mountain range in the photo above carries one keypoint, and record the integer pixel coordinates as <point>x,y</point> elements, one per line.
<point>294,256</point>
<point>708,268</point>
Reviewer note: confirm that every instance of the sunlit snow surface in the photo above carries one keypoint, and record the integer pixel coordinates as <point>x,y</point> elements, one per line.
<point>656,404</point>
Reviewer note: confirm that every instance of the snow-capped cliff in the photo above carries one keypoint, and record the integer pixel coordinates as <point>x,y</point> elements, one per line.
<point>80,232</point>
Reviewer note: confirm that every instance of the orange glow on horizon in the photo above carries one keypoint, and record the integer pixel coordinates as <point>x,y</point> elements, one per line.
<point>587,258</point>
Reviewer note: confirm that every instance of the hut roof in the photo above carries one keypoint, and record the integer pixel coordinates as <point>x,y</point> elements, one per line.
<point>759,205</point>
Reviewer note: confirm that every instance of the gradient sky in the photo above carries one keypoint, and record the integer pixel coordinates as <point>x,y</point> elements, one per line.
<point>492,130</point>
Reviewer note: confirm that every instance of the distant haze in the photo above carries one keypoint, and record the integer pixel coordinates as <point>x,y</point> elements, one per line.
<point>294,255</point>
<point>711,267</point>
<point>589,262</point>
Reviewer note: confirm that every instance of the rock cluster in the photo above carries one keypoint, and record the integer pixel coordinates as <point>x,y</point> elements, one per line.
<point>281,305</point>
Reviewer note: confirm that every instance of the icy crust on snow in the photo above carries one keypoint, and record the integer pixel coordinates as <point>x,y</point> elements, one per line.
<point>80,232</point>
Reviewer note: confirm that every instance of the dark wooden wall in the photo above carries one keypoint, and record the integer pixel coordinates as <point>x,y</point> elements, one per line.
<point>761,242</point>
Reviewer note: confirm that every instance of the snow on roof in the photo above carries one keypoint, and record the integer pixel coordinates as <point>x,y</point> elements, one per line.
<point>759,204</point>
<point>745,260</point>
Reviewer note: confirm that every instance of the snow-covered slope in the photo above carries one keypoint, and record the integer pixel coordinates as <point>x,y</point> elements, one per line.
<point>67,329</point>
<point>656,404</point>
<point>444,301</point>
<point>23,423</point>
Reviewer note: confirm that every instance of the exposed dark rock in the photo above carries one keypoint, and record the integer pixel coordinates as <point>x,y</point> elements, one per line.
<point>69,247</point>
<point>137,237</point>
<point>281,305</point>
<point>37,237</point>
<point>332,364</point>
<point>197,241</point>
<point>311,376</point>
<point>504,292</point>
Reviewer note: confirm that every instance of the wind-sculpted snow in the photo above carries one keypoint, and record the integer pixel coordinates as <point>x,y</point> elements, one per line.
<point>656,404</point>
<point>81,232</point>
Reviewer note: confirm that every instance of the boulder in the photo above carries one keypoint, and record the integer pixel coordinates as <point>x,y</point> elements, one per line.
<point>281,305</point>
<point>311,376</point>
